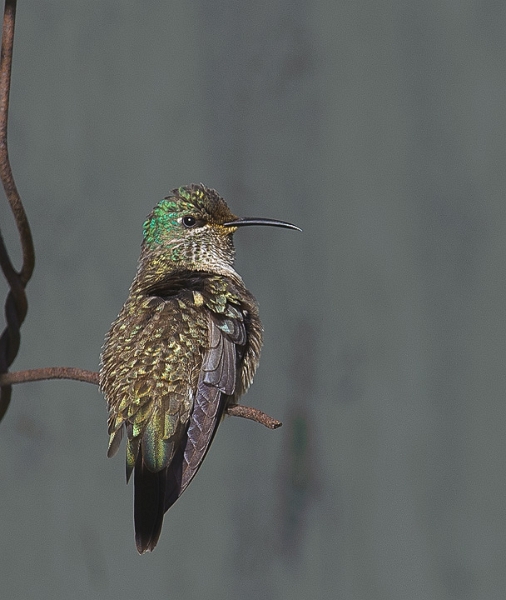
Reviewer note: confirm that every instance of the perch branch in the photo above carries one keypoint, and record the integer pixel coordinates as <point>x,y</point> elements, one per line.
<point>253,414</point>
<point>236,410</point>
<point>49,373</point>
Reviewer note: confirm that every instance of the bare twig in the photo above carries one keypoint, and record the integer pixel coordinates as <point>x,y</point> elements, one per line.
<point>236,410</point>
<point>16,304</point>
<point>49,373</point>
<point>253,414</point>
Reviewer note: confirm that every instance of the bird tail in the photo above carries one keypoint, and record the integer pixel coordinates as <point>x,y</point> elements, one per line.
<point>149,505</point>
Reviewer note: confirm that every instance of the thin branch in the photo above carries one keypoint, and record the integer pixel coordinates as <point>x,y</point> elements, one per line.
<point>49,373</point>
<point>253,414</point>
<point>236,410</point>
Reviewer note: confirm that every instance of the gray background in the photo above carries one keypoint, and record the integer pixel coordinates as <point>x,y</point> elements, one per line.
<point>379,127</point>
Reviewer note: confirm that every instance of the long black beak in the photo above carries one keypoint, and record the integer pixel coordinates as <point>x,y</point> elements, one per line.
<point>256,221</point>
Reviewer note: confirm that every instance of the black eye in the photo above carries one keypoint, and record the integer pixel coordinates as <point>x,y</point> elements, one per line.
<point>189,221</point>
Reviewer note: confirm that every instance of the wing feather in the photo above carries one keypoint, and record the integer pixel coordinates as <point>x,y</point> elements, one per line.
<point>216,384</point>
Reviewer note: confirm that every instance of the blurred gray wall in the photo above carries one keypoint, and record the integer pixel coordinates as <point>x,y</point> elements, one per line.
<point>379,127</point>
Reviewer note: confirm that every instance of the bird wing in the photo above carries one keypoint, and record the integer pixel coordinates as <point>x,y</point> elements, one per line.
<point>216,384</point>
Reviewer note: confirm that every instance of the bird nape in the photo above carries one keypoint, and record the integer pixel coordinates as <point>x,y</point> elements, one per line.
<point>184,347</point>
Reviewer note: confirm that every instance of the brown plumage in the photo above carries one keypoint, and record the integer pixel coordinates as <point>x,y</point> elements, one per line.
<point>185,345</point>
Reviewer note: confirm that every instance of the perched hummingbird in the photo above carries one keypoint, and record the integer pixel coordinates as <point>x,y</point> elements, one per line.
<point>185,346</point>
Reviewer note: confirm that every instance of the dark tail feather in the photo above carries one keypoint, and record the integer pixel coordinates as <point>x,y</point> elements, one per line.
<point>155,493</point>
<point>173,481</point>
<point>149,505</point>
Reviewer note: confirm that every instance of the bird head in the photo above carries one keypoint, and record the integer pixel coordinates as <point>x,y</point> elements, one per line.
<point>194,228</point>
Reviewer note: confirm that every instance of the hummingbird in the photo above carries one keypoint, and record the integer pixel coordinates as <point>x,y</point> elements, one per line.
<point>184,347</point>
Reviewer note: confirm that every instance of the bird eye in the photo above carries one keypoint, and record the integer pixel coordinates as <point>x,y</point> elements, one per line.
<point>189,221</point>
